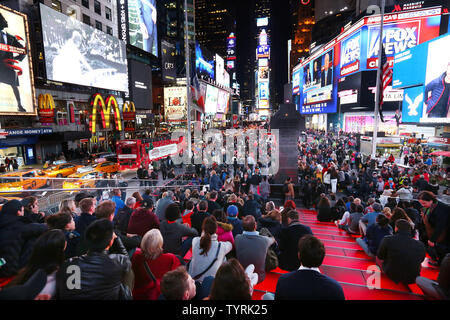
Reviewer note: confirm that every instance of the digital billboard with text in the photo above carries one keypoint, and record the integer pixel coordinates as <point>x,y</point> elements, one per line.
<point>356,50</point>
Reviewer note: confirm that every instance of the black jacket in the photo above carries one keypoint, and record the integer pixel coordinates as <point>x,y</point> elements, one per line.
<point>17,239</point>
<point>324,214</point>
<point>402,257</point>
<point>197,220</point>
<point>308,285</point>
<point>439,219</point>
<point>101,277</point>
<point>122,219</point>
<point>213,205</point>
<point>288,245</point>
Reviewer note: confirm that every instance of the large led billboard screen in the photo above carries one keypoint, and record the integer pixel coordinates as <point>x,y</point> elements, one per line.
<point>79,54</point>
<point>204,62</point>
<point>354,51</point>
<point>138,24</point>
<point>437,82</point>
<point>16,74</point>
<point>140,84</point>
<point>212,96</point>
<point>223,99</point>
<point>175,107</point>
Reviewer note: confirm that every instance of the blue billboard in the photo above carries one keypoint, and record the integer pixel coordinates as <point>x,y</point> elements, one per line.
<point>351,54</point>
<point>204,62</point>
<point>412,58</point>
<point>412,108</point>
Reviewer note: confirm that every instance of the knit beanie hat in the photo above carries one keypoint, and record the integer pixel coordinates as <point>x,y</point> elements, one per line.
<point>232,211</point>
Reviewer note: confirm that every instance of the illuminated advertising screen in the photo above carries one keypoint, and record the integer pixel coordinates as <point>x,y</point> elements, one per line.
<point>168,61</point>
<point>263,51</point>
<point>204,62</point>
<point>351,54</point>
<point>262,22</point>
<point>138,24</point>
<point>356,51</point>
<point>263,62</point>
<point>417,57</point>
<point>212,95</point>
<point>437,82</point>
<point>222,101</point>
<point>140,84</point>
<point>79,54</point>
<point>175,108</point>
<point>16,72</point>
<point>401,32</point>
<point>263,90</point>
<point>318,79</point>
<point>263,74</point>
<point>220,70</point>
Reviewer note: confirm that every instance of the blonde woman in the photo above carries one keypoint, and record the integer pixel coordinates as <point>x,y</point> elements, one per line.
<point>68,206</point>
<point>387,212</point>
<point>149,265</point>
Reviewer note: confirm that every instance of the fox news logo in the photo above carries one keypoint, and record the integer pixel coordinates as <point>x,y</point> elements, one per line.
<point>396,40</point>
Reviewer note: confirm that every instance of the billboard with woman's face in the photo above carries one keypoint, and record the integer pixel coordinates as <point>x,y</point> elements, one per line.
<point>16,74</point>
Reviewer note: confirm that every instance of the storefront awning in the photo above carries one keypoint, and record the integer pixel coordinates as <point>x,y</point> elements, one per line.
<point>441,153</point>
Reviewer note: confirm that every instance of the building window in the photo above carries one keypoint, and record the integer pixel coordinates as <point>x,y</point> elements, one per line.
<point>98,25</point>
<point>86,19</point>
<point>85,3</point>
<point>97,7</point>
<point>56,5</point>
<point>109,30</point>
<point>108,14</point>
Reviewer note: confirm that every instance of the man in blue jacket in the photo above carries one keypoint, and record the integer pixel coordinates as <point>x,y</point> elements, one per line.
<point>437,95</point>
<point>215,182</point>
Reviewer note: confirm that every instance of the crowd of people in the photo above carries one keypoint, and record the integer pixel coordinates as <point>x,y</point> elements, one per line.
<point>193,243</point>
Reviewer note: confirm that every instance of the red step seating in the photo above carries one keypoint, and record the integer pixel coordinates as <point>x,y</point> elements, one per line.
<point>347,263</point>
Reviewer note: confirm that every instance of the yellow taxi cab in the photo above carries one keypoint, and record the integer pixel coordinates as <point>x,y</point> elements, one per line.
<point>107,167</point>
<point>61,170</point>
<point>25,179</point>
<point>4,200</point>
<point>84,178</point>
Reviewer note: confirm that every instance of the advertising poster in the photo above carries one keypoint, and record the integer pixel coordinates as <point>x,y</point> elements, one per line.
<point>400,35</point>
<point>175,104</point>
<point>412,107</point>
<point>140,24</point>
<point>140,84</point>
<point>222,101</point>
<point>16,74</point>
<point>220,70</point>
<point>351,54</point>
<point>263,90</point>
<point>212,95</point>
<point>437,82</point>
<point>204,62</point>
<point>79,54</point>
<point>168,60</point>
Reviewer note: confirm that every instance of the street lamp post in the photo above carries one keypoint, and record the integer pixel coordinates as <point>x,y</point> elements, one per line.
<point>188,79</point>
<point>378,88</point>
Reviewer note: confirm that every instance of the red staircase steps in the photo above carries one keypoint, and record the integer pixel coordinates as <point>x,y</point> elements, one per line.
<point>347,263</point>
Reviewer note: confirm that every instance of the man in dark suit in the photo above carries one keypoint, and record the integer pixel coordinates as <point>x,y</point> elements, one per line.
<point>400,256</point>
<point>289,237</point>
<point>8,73</point>
<point>212,202</point>
<point>327,74</point>
<point>308,283</point>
